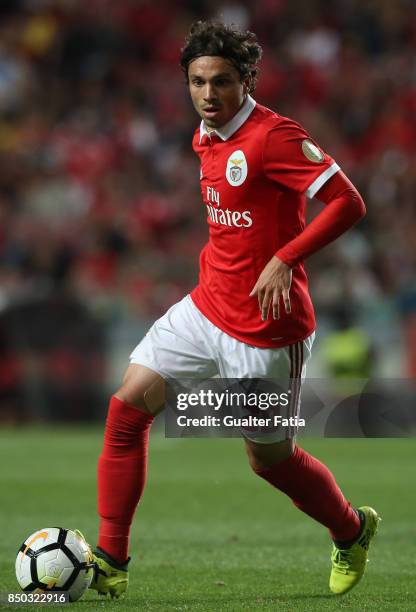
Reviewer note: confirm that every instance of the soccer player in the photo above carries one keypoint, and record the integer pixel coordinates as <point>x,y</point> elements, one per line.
<point>251,315</point>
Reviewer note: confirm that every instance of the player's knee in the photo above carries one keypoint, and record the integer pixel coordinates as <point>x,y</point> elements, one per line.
<point>263,456</point>
<point>132,397</point>
<point>143,389</point>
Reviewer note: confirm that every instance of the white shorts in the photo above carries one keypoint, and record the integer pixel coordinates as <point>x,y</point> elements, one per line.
<point>183,343</point>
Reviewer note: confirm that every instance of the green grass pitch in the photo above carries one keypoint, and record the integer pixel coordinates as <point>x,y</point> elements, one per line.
<point>209,535</point>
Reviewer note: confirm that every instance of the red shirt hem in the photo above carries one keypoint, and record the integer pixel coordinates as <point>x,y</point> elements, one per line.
<point>275,344</point>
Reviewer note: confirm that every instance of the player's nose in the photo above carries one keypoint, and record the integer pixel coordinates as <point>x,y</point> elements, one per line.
<point>209,93</point>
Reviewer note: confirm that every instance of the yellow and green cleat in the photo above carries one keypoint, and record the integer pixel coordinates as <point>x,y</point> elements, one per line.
<point>109,576</point>
<point>348,564</point>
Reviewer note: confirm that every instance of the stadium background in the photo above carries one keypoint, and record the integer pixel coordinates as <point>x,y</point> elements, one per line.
<point>101,223</point>
<point>101,228</point>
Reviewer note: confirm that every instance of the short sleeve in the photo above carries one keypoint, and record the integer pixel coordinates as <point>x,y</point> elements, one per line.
<point>293,159</point>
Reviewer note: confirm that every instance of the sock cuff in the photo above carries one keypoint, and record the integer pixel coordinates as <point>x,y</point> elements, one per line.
<point>120,408</point>
<point>281,466</point>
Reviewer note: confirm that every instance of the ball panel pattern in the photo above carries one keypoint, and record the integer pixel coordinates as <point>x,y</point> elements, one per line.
<point>55,559</point>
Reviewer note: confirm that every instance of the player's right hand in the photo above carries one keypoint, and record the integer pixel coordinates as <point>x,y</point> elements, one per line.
<point>273,283</point>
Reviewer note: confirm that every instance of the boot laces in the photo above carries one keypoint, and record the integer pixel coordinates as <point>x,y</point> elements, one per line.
<point>343,558</point>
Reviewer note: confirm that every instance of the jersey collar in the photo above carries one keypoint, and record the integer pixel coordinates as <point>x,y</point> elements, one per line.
<point>234,124</point>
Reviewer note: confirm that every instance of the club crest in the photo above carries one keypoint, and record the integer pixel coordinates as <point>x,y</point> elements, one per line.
<point>236,172</point>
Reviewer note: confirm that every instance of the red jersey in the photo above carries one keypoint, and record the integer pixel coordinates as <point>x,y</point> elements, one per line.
<point>255,173</point>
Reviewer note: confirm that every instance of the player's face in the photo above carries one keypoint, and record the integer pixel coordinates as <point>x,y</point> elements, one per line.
<point>216,89</point>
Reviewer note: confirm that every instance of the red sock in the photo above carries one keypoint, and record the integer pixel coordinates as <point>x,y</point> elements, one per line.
<point>122,470</point>
<point>313,489</point>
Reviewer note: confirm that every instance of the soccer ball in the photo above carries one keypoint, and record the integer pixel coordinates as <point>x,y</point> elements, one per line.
<point>55,559</point>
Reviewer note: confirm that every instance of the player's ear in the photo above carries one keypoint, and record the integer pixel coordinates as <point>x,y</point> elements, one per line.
<point>247,85</point>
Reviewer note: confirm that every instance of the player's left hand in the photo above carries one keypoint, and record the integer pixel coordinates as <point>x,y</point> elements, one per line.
<point>274,281</point>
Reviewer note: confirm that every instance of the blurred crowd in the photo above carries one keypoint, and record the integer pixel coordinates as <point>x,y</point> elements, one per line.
<point>99,190</point>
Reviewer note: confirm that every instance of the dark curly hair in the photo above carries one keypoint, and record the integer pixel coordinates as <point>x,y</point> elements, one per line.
<point>217,39</point>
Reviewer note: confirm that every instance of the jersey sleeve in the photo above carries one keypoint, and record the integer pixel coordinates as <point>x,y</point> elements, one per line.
<point>294,160</point>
